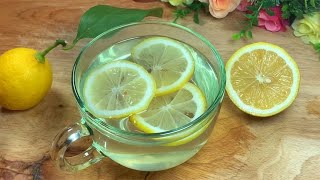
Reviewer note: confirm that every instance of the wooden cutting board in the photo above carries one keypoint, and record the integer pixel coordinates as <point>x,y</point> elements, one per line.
<point>285,146</point>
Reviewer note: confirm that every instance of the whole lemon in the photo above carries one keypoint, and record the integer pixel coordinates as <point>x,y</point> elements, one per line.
<point>24,80</point>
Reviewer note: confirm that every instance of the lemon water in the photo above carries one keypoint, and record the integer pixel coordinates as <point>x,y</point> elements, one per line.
<point>153,158</point>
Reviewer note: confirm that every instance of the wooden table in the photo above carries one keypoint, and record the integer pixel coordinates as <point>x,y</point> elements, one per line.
<point>285,146</point>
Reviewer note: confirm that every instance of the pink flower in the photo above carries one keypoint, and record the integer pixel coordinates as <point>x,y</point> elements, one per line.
<point>221,8</point>
<point>273,23</point>
<point>243,5</point>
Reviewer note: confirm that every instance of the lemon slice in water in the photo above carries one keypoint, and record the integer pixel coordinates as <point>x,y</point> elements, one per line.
<point>171,111</point>
<point>170,63</point>
<point>118,89</point>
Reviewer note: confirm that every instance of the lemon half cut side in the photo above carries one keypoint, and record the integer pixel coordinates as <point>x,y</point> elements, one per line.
<point>262,79</point>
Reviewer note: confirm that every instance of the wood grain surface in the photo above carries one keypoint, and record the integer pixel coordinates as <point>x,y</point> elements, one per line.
<point>285,146</point>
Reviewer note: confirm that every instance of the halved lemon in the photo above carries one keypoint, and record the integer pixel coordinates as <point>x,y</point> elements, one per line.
<point>169,62</point>
<point>118,89</point>
<point>262,79</point>
<point>171,111</point>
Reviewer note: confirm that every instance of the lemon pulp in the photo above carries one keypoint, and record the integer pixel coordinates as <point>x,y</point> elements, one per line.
<point>262,79</point>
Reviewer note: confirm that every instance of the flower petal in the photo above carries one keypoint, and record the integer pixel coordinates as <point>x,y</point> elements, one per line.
<point>295,23</point>
<point>313,19</point>
<point>272,26</point>
<point>221,4</point>
<point>221,8</point>
<point>217,13</point>
<point>313,39</point>
<point>308,28</point>
<point>243,5</point>
<point>305,39</point>
<point>261,22</point>
<point>176,2</point>
<point>305,28</point>
<point>188,1</point>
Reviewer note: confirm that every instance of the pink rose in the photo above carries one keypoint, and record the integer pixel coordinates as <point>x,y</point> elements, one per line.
<point>243,5</point>
<point>273,23</point>
<point>221,8</point>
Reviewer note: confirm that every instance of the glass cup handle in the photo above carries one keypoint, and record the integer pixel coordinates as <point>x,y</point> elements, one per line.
<point>64,139</point>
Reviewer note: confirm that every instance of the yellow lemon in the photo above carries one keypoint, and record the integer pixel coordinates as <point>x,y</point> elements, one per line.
<point>262,79</point>
<point>24,81</point>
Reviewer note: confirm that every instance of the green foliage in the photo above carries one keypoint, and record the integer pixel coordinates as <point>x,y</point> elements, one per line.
<point>101,18</point>
<point>291,9</point>
<point>317,47</point>
<point>252,18</point>
<point>181,13</point>
<point>194,7</point>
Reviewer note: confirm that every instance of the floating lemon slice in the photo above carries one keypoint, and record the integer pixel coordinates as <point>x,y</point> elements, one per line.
<point>262,79</point>
<point>118,89</point>
<point>171,111</point>
<point>170,63</point>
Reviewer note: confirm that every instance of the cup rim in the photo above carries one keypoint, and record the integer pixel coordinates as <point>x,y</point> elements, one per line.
<point>105,127</point>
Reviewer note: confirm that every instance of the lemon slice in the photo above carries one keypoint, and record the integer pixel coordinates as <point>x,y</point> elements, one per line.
<point>118,89</point>
<point>171,111</point>
<point>170,63</point>
<point>262,79</point>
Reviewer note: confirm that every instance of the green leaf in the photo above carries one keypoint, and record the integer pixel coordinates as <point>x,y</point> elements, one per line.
<point>270,12</point>
<point>255,21</point>
<point>101,18</point>
<point>181,13</point>
<point>194,6</point>
<point>251,8</point>
<point>205,7</point>
<point>317,47</point>
<point>249,34</point>
<point>249,16</point>
<point>285,7</point>
<point>196,17</point>
<point>285,11</point>
<point>236,36</point>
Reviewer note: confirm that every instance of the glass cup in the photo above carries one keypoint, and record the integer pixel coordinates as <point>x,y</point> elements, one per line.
<point>136,150</point>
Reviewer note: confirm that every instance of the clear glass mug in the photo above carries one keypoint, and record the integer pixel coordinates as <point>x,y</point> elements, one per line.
<point>145,152</point>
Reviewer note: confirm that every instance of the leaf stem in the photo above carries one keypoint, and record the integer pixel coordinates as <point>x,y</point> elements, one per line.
<point>175,19</point>
<point>40,56</point>
<point>69,46</point>
<point>252,20</point>
<point>306,4</point>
